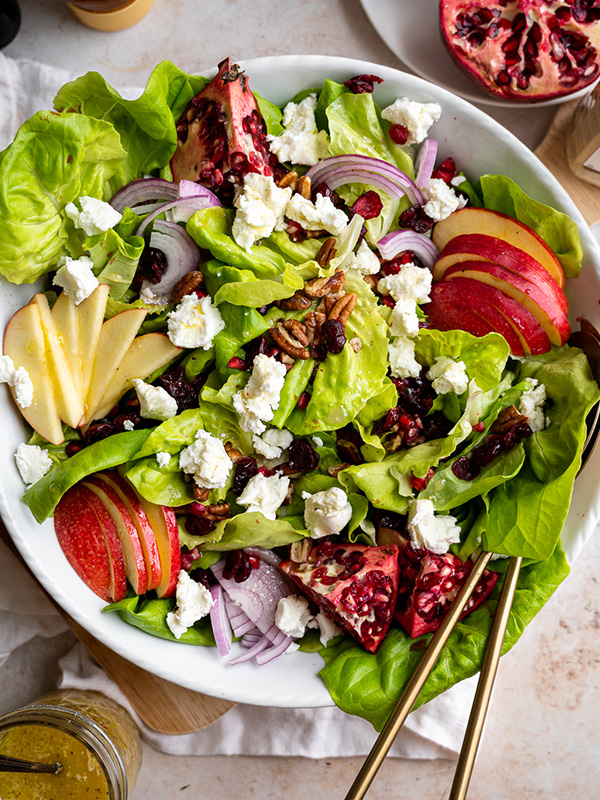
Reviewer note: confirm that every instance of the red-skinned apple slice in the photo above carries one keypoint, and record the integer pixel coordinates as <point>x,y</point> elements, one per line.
<point>501,226</point>
<point>534,298</point>
<point>133,552</point>
<point>88,538</point>
<point>147,537</point>
<point>498,308</point>
<point>476,247</point>
<point>164,524</point>
<point>461,306</point>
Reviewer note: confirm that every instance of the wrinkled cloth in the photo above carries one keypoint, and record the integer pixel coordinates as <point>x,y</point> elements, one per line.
<point>433,731</point>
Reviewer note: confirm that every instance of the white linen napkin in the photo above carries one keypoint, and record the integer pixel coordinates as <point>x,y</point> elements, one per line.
<point>433,731</point>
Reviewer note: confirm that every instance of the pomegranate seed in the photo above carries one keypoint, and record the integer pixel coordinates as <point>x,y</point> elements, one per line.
<point>236,363</point>
<point>479,427</point>
<point>303,400</point>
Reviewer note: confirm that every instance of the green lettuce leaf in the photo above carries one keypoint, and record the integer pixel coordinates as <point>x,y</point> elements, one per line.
<point>150,616</point>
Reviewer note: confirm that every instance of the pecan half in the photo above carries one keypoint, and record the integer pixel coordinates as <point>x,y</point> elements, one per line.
<point>319,287</point>
<point>312,322</point>
<point>343,308</point>
<point>289,179</point>
<point>290,335</point>
<point>304,186</point>
<point>300,551</point>
<point>297,302</point>
<point>187,285</point>
<point>371,281</point>
<point>335,469</point>
<point>218,512</point>
<point>233,453</point>
<point>200,493</point>
<point>506,419</point>
<point>327,251</point>
<point>315,234</point>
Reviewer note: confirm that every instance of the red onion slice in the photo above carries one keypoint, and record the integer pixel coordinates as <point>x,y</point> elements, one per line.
<point>398,241</point>
<point>425,162</point>
<point>251,638</point>
<point>220,621</point>
<point>240,622</point>
<point>143,190</point>
<point>339,170</point>
<point>181,210</point>
<point>182,254</point>
<point>272,652</point>
<point>261,645</point>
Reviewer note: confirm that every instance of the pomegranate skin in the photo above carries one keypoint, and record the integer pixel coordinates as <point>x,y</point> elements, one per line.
<point>524,50</point>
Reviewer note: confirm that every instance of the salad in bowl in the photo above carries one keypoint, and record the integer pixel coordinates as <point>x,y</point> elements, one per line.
<point>295,352</point>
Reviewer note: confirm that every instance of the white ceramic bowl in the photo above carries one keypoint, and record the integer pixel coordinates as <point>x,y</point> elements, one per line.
<point>479,145</point>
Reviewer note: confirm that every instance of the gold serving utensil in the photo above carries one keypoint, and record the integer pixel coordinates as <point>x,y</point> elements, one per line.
<point>588,339</point>
<point>11,764</point>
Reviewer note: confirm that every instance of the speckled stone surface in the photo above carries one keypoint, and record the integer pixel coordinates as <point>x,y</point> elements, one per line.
<point>542,737</point>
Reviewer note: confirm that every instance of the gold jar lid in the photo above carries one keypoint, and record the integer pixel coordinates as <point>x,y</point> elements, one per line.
<point>117,19</point>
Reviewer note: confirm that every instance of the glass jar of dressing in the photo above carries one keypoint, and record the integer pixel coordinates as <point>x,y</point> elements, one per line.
<point>94,738</point>
<point>583,138</point>
<point>110,15</point>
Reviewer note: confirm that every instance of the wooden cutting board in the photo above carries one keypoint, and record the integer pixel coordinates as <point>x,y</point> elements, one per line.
<point>167,708</point>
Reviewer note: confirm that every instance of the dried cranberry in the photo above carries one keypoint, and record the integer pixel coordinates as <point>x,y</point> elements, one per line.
<point>323,188</point>
<point>72,448</point>
<point>184,392</point>
<point>295,231</point>
<point>245,469</point>
<point>203,576</point>
<point>237,566</point>
<point>334,335</point>
<point>131,417</point>
<point>151,266</point>
<point>399,134</point>
<point>302,456</point>
<point>515,434</point>
<point>446,171</point>
<point>436,425</point>
<point>465,468</point>
<point>98,430</point>
<point>368,205</point>
<point>197,525</point>
<point>361,84</point>
<point>415,219</point>
<point>188,557</point>
<point>255,347</point>
<point>415,395</point>
<point>348,444</point>
<point>485,453</point>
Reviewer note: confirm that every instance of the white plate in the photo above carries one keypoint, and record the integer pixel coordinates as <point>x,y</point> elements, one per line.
<point>479,145</point>
<point>410,28</point>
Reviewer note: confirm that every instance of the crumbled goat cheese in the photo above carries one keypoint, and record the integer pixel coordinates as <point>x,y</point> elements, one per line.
<point>441,200</point>
<point>326,513</point>
<point>404,320</point>
<point>255,404</point>
<point>265,494</point>
<point>128,425</point>
<point>322,214</point>
<point>412,281</point>
<point>76,277</point>
<point>155,402</point>
<point>292,615</point>
<point>163,458</point>
<point>260,209</point>
<point>329,630</point>
<point>317,441</point>
<point>193,602</point>
<point>207,460</point>
<point>33,462</point>
<point>429,532</point>
<point>95,216</point>
<point>364,261</point>
<point>19,379</point>
<point>301,142</point>
<point>401,354</point>
<point>447,375</point>
<point>457,180</point>
<point>532,405</point>
<point>272,443</point>
<point>416,117</point>
<point>194,323</point>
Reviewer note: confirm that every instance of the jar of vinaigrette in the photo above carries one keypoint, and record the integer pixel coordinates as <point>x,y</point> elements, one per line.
<point>94,739</point>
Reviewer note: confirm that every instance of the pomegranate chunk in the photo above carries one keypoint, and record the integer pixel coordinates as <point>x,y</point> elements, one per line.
<point>222,136</point>
<point>355,585</point>
<point>428,585</point>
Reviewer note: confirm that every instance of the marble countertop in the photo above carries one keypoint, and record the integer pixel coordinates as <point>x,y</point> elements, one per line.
<point>541,738</point>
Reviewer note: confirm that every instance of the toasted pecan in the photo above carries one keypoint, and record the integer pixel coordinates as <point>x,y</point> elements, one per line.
<point>187,285</point>
<point>291,336</point>
<point>343,308</point>
<point>233,453</point>
<point>319,287</point>
<point>300,551</point>
<point>297,302</point>
<point>289,179</point>
<point>200,493</point>
<point>304,186</point>
<point>327,251</point>
<point>505,420</point>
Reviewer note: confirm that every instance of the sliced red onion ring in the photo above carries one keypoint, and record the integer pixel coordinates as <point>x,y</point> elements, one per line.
<point>339,170</point>
<point>240,622</point>
<point>272,652</point>
<point>425,162</point>
<point>187,188</point>
<point>181,210</point>
<point>182,254</point>
<point>398,241</point>
<point>261,645</point>
<point>220,621</point>
<point>143,190</point>
<point>251,638</point>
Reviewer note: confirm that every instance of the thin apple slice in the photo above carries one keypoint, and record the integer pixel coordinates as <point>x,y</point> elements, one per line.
<point>130,497</point>
<point>533,297</point>
<point>116,336</point>
<point>164,524</point>
<point>69,402</point>
<point>90,316</point>
<point>476,247</point>
<point>453,307</point>
<point>24,343</point>
<point>88,538</point>
<point>133,552</point>
<point>146,355</point>
<point>502,227</point>
<point>66,322</point>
